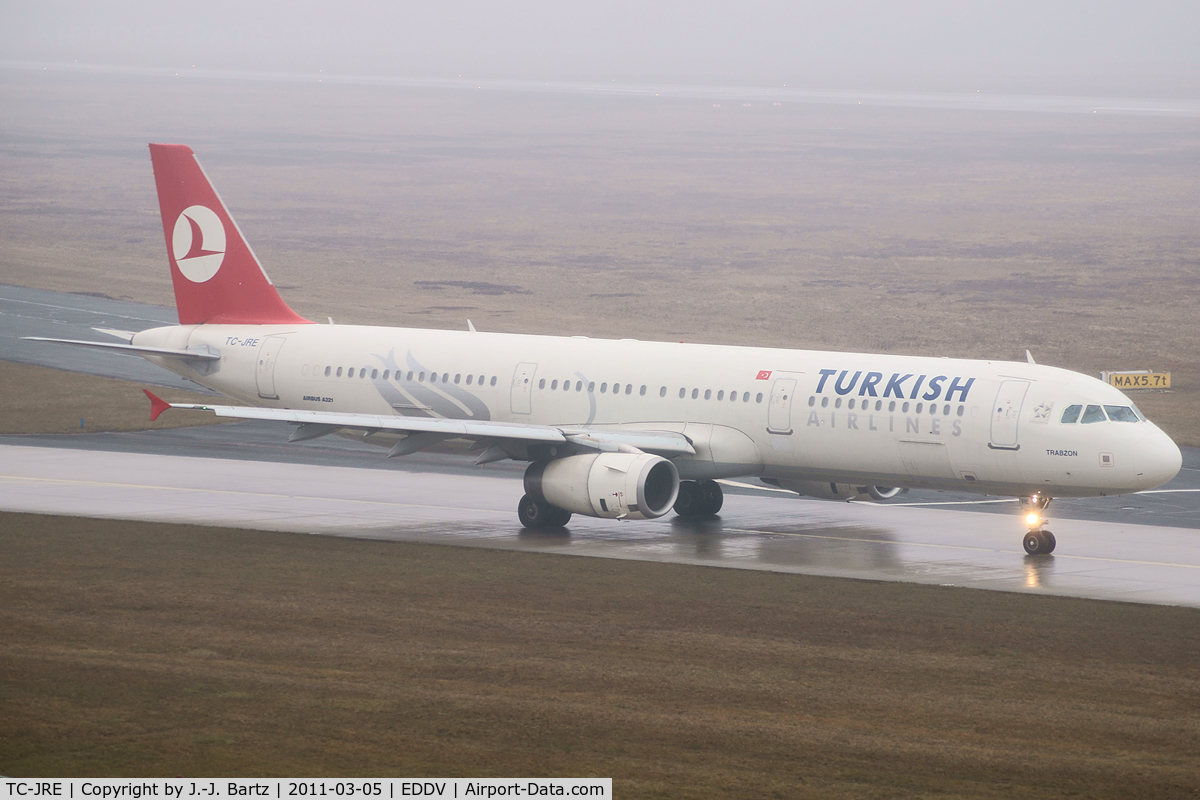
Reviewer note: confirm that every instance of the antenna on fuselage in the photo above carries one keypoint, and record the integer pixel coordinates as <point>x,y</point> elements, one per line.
<point>471,327</point>
<point>1029,357</point>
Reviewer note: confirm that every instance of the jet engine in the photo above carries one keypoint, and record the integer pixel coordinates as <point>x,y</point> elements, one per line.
<point>625,485</point>
<point>837,491</point>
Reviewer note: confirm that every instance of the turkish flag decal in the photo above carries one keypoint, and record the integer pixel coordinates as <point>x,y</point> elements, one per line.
<point>763,375</point>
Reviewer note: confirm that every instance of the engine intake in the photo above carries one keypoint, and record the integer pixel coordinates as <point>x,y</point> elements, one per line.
<point>626,485</point>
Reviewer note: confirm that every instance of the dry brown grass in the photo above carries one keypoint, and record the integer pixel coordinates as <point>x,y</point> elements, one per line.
<point>42,400</point>
<point>140,649</point>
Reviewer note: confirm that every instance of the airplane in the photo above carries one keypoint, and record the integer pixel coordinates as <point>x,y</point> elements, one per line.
<point>628,429</point>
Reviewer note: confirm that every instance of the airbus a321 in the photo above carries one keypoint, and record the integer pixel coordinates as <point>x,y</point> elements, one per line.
<point>629,429</point>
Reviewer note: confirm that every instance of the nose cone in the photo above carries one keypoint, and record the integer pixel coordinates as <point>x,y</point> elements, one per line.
<point>1156,459</point>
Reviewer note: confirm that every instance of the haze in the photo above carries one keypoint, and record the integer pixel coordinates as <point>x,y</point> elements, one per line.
<point>1143,49</point>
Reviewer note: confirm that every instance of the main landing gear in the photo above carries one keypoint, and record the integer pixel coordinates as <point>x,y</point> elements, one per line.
<point>699,499</point>
<point>1037,542</point>
<point>535,513</point>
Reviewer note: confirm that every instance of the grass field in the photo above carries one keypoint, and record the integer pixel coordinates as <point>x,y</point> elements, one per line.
<point>137,649</point>
<point>42,400</point>
<point>959,233</point>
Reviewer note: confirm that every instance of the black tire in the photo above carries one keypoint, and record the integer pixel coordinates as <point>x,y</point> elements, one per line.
<point>711,499</point>
<point>538,514</point>
<point>532,512</point>
<point>1050,542</point>
<point>1034,543</point>
<point>687,504</point>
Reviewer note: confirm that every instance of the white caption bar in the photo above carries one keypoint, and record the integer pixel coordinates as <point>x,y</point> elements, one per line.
<point>308,788</point>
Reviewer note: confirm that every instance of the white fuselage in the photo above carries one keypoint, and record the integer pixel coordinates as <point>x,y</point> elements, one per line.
<point>787,415</point>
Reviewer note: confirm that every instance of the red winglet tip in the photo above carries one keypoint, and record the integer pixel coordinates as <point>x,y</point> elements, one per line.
<point>157,404</point>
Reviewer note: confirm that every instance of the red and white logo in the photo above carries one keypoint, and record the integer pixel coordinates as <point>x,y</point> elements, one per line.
<point>763,375</point>
<point>198,243</point>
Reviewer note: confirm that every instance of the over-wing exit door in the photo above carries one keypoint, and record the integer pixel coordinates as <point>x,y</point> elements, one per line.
<point>522,388</point>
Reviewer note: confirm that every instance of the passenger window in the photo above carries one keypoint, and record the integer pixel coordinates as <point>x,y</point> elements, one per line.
<point>481,377</point>
<point>721,395</point>
<point>350,372</point>
<point>708,394</point>
<point>327,371</point>
<point>746,397</point>
<point>1121,414</point>
<point>542,383</point>
<point>421,378</point>
<point>1071,414</point>
<point>757,399</point>
<point>812,401</point>
<point>837,403</point>
<point>695,393</point>
<point>566,386</point>
<point>892,406</point>
<point>824,402</point>
<point>850,405</point>
<point>470,379</point>
<point>591,387</point>
<point>339,372</point>
<point>493,381</point>
<point>362,373</point>
<point>961,409</point>
<point>904,408</point>
<point>457,377</point>
<point>878,405</point>
<point>1092,414</point>
<point>374,374</point>
<point>553,385</point>
<point>682,392</point>
<point>642,391</point>
<point>629,389</point>
<point>579,386</point>
<point>920,407</point>
<point>662,392</point>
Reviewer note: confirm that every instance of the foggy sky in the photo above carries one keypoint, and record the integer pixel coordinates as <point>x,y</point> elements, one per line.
<point>1145,48</point>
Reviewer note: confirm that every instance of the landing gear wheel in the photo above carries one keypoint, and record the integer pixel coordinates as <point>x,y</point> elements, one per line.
<point>687,504</point>
<point>711,498</point>
<point>535,514</point>
<point>1039,543</point>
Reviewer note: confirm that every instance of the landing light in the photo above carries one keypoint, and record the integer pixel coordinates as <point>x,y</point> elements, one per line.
<point>1032,520</point>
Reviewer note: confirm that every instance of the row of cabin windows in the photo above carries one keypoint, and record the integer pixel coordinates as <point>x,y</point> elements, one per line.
<point>627,388</point>
<point>1071,414</point>
<point>419,376</point>
<point>865,405</point>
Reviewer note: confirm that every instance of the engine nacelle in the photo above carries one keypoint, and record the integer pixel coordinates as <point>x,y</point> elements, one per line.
<point>627,485</point>
<point>837,491</point>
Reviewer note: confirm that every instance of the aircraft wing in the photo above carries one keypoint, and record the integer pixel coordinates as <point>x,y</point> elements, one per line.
<point>428,430</point>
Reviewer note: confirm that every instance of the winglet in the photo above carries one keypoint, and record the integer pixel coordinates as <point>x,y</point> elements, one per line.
<point>157,404</point>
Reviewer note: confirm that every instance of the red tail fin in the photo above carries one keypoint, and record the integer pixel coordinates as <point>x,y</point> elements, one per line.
<point>217,277</point>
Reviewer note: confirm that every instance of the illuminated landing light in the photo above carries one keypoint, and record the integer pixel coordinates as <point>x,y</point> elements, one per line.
<point>1033,520</point>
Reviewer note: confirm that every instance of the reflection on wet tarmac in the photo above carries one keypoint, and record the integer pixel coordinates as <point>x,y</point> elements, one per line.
<point>478,509</point>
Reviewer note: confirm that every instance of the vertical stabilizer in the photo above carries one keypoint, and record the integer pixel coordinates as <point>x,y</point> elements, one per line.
<point>217,277</point>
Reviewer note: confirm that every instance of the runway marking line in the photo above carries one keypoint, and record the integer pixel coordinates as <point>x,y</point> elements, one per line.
<point>102,484</point>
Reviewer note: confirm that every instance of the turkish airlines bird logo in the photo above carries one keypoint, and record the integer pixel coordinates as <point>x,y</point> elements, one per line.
<point>198,243</point>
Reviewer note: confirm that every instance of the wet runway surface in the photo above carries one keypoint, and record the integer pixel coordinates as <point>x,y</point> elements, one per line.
<point>1143,548</point>
<point>229,479</point>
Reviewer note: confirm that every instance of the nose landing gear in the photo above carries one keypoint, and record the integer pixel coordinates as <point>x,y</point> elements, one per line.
<point>1037,542</point>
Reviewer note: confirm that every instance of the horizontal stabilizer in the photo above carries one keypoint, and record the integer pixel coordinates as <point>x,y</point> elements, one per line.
<point>205,354</point>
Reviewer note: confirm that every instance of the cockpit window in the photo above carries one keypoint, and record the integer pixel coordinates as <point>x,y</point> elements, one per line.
<point>1139,413</point>
<point>1121,414</point>
<point>1071,414</point>
<point>1092,414</point>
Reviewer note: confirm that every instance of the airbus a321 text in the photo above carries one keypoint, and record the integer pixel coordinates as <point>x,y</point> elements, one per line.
<point>628,429</point>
